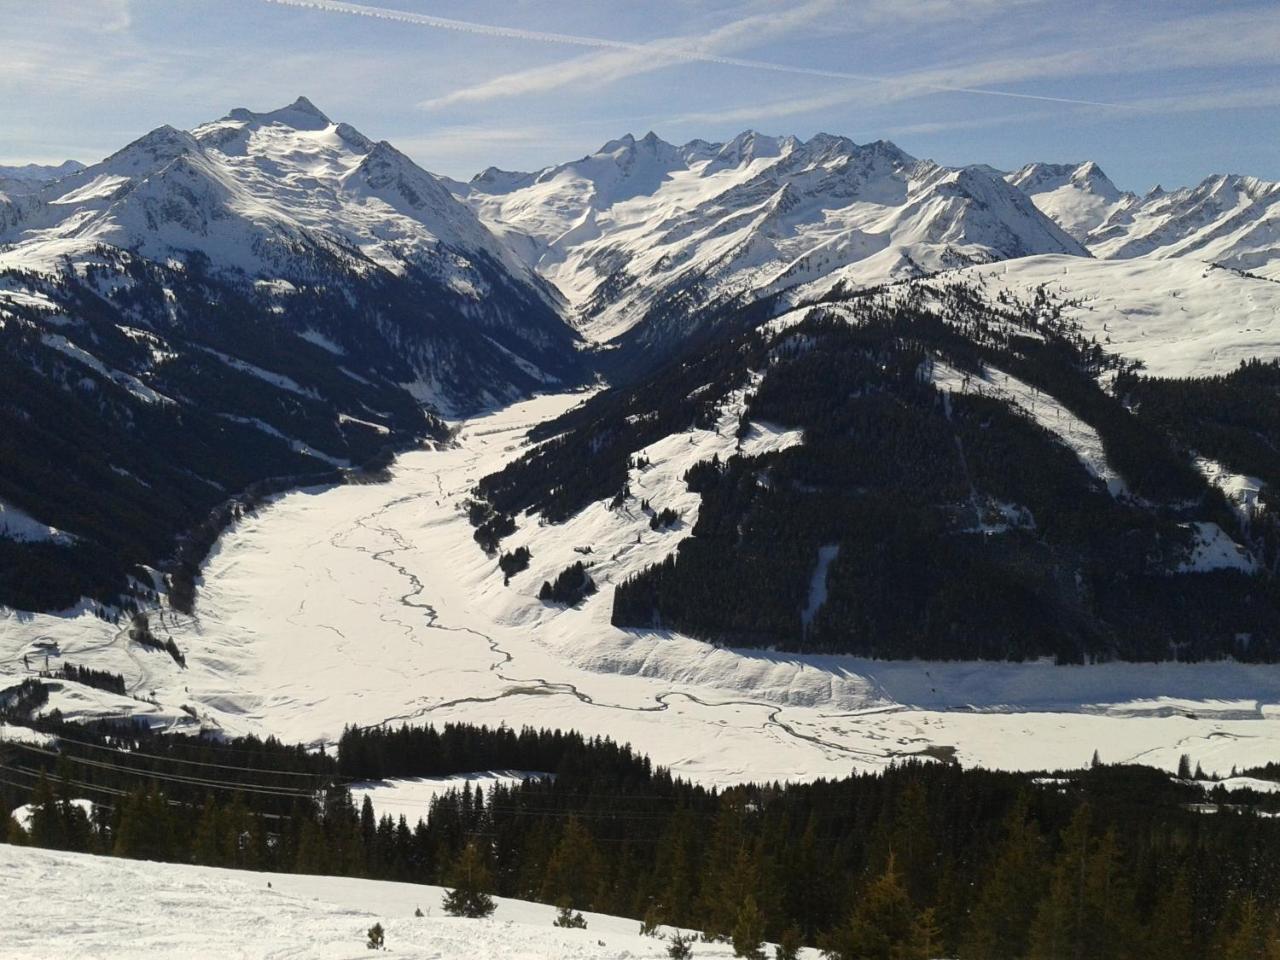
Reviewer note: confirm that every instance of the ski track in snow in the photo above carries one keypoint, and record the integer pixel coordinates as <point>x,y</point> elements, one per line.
<point>372,604</point>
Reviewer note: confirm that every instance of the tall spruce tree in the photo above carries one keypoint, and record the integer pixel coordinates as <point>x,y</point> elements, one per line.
<point>748,931</point>
<point>1008,892</point>
<point>883,924</point>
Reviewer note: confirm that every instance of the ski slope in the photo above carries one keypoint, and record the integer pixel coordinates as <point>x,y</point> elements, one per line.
<point>76,907</point>
<point>373,604</point>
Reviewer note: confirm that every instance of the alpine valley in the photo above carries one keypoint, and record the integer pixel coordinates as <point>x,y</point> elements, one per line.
<point>773,458</point>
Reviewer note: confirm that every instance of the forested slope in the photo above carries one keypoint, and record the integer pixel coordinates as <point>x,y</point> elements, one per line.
<point>977,480</point>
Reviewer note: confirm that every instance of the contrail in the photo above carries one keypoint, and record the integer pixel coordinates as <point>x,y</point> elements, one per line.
<point>668,51</point>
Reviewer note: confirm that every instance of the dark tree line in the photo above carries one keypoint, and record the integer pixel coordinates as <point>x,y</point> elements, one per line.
<point>920,860</point>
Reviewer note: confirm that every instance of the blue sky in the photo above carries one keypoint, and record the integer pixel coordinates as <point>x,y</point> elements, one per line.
<point>1164,91</point>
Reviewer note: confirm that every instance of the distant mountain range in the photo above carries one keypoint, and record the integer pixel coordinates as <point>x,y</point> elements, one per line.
<point>647,240</point>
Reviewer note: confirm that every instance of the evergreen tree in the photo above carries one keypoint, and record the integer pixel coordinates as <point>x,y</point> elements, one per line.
<point>471,883</point>
<point>1089,910</point>
<point>680,947</point>
<point>883,925</point>
<point>568,918</point>
<point>748,931</point>
<point>1170,935</point>
<point>574,872</point>
<point>46,821</point>
<point>1009,891</point>
<point>788,945</point>
<point>207,847</point>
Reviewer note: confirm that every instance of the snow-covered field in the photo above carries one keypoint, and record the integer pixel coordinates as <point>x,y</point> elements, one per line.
<point>410,797</point>
<point>1181,317</point>
<point>75,907</point>
<point>373,604</point>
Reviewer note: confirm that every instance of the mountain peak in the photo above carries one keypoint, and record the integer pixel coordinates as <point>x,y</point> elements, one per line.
<point>302,114</point>
<point>624,142</point>
<point>161,144</point>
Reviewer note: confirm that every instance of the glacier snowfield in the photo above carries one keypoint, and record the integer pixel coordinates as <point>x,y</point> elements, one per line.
<point>373,604</point>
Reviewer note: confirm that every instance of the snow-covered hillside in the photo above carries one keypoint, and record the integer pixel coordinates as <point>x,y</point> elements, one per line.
<point>1179,316</point>
<point>76,907</point>
<point>371,604</point>
<point>643,233</point>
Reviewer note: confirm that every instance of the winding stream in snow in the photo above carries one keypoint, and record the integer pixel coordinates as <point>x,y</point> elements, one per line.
<point>372,604</point>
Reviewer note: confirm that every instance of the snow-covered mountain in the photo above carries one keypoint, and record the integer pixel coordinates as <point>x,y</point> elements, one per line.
<point>1077,197</point>
<point>1229,220</point>
<point>288,201</point>
<point>270,298</point>
<point>643,237</point>
<point>29,176</point>
<point>40,171</point>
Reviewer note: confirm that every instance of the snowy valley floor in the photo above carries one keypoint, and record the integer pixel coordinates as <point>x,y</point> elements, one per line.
<point>373,604</point>
<point>75,906</point>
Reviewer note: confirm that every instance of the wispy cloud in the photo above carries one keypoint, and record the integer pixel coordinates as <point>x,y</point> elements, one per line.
<point>625,58</point>
<point>1208,41</point>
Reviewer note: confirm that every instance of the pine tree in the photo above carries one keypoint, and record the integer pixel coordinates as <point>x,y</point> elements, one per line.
<point>471,883</point>
<point>1249,935</point>
<point>574,871</point>
<point>1089,910</point>
<point>680,947</point>
<point>1169,934</point>
<point>926,937</point>
<point>1009,891</point>
<point>207,847</point>
<point>748,931</point>
<point>46,822</point>
<point>377,937</point>
<point>568,918</point>
<point>883,926</point>
<point>788,944</point>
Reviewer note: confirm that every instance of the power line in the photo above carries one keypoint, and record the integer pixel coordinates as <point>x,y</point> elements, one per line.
<point>234,786</point>
<point>193,763</point>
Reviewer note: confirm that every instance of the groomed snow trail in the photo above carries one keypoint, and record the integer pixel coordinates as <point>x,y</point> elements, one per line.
<point>373,604</point>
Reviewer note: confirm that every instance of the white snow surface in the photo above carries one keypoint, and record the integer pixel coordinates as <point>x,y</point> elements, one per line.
<point>410,797</point>
<point>1241,490</point>
<point>1077,197</point>
<point>81,907</point>
<point>372,603</point>
<point>19,525</point>
<point>1181,317</point>
<point>750,216</point>
<point>286,195</point>
<point>1215,550</point>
